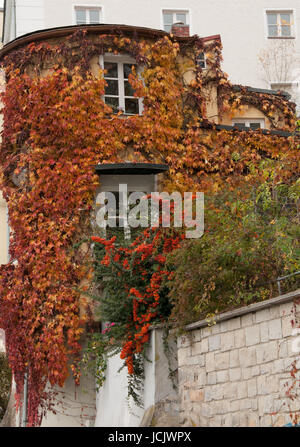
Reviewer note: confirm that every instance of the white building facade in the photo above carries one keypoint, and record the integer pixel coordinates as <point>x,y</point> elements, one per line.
<point>260,38</point>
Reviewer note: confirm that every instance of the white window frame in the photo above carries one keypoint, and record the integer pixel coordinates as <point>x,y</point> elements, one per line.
<point>248,121</point>
<point>283,84</point>
<point>277,11</point>
<point>169,9</point>
<point>87,7</point>
<point>121,60</point>
<point>145,183</point>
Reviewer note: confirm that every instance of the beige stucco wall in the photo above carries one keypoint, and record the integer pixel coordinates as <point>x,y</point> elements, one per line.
<point>237,372</point>
<point>249,112</point>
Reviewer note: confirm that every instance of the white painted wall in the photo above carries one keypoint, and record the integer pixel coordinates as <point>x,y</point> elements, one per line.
<point>29,16</point>
<point>111,401</point>
<point>241,23</point>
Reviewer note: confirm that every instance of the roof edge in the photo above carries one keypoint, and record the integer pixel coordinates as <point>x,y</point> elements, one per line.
<point>101,28</point>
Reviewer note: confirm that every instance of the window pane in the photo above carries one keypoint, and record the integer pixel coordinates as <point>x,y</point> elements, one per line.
<point>131,106</point>
<point>80,17</point>
<point>240,125</point>
<point>285,19</point>
<point>254,126</point>
<point>272,19</point>
<point>273,30</point>
<point>112,88</point>
<point>128,89</point>
<point>112,69</point>
<point>286,31</point>
<point>200,60</point>
<point>168,28</point>
<point>181,17</point>
<point>168,18</point>
<point>127,70</point>
<point>112,102</point>
<point>94,16</point>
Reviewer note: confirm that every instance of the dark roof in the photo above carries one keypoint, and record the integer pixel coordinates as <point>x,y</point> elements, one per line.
<point>130,168</point>
<point>279,133</point>
<point>238,88</point>
<point>101,28</point>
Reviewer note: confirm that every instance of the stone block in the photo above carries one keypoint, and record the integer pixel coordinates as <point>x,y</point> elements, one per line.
<point>210,361</point>
<point>236,420</point>
<point>198,360</point>
<point>235,374</point>
<point>252,387</point>
<point>265,405</point>
<point>275,331</point>
<point>197,395</point>
<point>217,392</point>
<point>196,348</point>
<point>286,309</point>
<point>214,342</point>
<point>287,328</point>
<point>266,368</point>
<point>247,320</point>
<point>234,360</point>
<point>204,345</point>
<point>239,338</point>
<point>247,356</point>
<point>252,335</point>
<point>242,391</point>
<point>245,404</point>
<point>215,421</point>
<point>227,341</point>
<point>223,326</point>
<point>234,323</point>
<point>247,373</point>
<point>205,332</point>
<point>222,376</point>
<point>255,370</point>
<point>253,420</point>
<point>227,420</point>
<point>275,312</point>
<point>230,390</point>
<point>278,366</point>
<point>183,354</point>
<point>264,331</point>
<point>211,378</point>
<point>222,360</point>
<point>267,352</point>
<point>234,406</point>
<point>202,378</point>
<point>262,315</point>
<point>215,328</point>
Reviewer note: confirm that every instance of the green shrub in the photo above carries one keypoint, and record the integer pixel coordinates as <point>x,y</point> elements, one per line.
<point>251,238</point>
<point>5,383</point>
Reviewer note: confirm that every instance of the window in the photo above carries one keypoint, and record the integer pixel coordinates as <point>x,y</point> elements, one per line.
<point>87,15</point>
<point>117,181</point>
<point>287,87</point>
<point>246,123</point>
<point>200,60</point>
<point>170,17</point>
<point>118,92</point>
<point>280,24</point>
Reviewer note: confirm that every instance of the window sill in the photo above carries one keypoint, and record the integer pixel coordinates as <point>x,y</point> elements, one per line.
<point>281,37</point>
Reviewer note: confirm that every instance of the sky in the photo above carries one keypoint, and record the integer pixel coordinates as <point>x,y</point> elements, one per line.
<point>1,3</point>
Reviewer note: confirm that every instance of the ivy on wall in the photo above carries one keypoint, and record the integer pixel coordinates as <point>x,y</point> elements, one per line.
<point>56,129</point>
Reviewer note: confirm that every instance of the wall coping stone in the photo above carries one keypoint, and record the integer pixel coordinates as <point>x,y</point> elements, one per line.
<point>281,299</point>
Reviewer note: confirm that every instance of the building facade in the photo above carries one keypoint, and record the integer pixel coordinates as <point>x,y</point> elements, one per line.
<point>260,38</point>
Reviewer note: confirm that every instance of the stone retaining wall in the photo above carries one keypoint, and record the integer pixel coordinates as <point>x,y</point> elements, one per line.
<point>237,372</point>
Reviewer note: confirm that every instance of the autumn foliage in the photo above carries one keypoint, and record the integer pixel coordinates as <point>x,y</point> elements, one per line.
<point>56,129</point>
